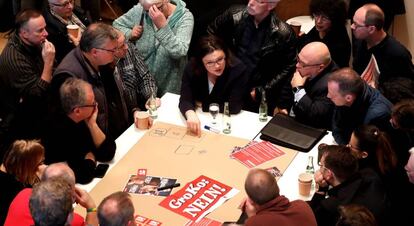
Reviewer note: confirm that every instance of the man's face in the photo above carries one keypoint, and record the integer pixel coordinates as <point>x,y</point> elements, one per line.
<point>258,7</point>
<point>122,47</point>
<point>88,108</point>
<point>359,28</point>
<point>63,8</point>
<point>107,52</point>
<point>336,97</point>
<point>34,32</point>
<point>307,67</point>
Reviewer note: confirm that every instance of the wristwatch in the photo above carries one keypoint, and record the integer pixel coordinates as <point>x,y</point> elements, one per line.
<point>297,89</point>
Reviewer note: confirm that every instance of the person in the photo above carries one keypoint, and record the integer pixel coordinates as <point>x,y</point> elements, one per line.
<point>409,167</point>
<point>73,135</point>
<point>58,14</point>
<point>163,38</point>
<point>89,61</point>
<point>266,45</point>
<point>116,209</point>
<point>265,206</point>
<point>19,211</point>
<point>330,28</point>
<point>212,76</point>
<point>310,86</point>
<point>340,182</point>
<point>138,84</point>
<point>26,66</point>
<point>393,59</point>
<point>21,167</point>
<point>355,215</point>
<point>356,103</point>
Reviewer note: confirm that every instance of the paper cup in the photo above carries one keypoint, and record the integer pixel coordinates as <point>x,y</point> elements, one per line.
<point>296,26</point>
<point>143,120</point>
<point>305,183</point>
<point>73,29</point>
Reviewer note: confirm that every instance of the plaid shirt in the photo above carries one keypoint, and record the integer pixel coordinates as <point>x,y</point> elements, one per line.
<point>138,83</point>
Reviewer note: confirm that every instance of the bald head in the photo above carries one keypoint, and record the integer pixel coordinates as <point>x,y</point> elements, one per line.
<point>373,15</point>
<point>316,53</point>
<point>261,186</point>
<point>116,209</point>
<point>59,170</point>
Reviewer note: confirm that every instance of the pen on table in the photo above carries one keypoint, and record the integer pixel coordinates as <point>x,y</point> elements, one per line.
<point>168,187</point>
<point>211,129</point>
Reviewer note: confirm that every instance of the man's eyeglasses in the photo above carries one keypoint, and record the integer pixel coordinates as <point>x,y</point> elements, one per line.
<point>264,1</point>
<point>356,26</point>
<point>93,105</point>
<point>303,65</point>
<point>65,4</point>
<point>109,50</point>
<point>219,61</point>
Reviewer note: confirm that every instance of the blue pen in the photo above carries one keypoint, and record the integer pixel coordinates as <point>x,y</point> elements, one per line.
<point>211,129</point>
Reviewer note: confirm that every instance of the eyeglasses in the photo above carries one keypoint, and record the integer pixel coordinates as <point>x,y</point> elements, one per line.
<point>93,105</point>
<point>263,2</point>
<point>65,4</point>
<point>109,50</point>
<point>219,62</point>
<point>303,65</point>
<point>321,17</point>
<point>356,26</point>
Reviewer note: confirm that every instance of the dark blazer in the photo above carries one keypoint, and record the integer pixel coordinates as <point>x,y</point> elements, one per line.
<point>231,86</point>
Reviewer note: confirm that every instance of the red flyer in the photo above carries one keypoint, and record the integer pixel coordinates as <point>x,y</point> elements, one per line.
<point>199,198</point>
<point>144,221</point>
<point>257,153</point>
<point>204,222</point>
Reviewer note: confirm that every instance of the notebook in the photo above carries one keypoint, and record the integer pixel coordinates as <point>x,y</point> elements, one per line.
<point>285,131</point>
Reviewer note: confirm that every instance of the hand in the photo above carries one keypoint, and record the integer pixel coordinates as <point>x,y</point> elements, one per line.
<point>158,18</point>
<point>84,199</point>
<point>193,123</point>
<point>150,120</point>
<point>280,111</point>
<point>253,94</point>
<point>319,179</point>
<point>91,120</point>
<point>48,52</point>
<point>242,204</point>
<point>136,32</point>
<point>90,156</point>
<point>298,80</point>
<point>74,40</point>
<point>157,103</point>
<point>250,208</point>
<point>40,169</point>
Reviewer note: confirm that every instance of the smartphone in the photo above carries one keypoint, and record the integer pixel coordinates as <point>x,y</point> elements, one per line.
<point>101,169</point>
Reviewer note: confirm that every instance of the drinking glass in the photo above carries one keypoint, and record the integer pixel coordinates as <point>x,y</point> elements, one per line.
<point>214,110</point>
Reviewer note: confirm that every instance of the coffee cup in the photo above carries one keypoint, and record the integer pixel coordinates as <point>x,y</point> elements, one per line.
<point>296,27</point>
<point>305,183</point>
<point>73,29</point>
<point>143,120</point>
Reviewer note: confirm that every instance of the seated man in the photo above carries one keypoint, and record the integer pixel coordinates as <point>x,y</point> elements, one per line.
<point>265,206</point>
<point>116,209</point>
<point>310,86</point>
<point>19,212</point>
<point>356,103</point>
<point>74,135</point>
<point>58,15</point>
<point>340,183</point>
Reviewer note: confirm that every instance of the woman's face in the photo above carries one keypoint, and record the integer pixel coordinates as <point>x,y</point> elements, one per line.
<point>322,23</point>
<point>215,62</point>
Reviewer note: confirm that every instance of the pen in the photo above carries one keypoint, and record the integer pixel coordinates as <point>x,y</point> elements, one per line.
<point>211,129</point>
<point>168,187</point>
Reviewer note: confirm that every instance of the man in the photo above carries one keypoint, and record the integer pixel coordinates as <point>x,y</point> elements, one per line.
<point>266,45</point>
<point>58,15</point>
<point>97,48</point>
<point>356,103</point>
<point>393,59</point>
<point>310,86</point>
<point>265,206</point>
<point>340,183</point>
<point>73,136</point>
<point>19,213</point>
<point>116,209</point>
<point>26,66</point>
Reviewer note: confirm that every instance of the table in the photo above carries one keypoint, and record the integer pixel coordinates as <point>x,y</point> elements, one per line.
<point>244,125</point>
<point>307,22</point>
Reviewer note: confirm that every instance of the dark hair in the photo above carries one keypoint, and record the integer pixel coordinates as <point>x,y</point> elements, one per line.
<point>377,145</point>
<point>96,35</point>
<point>398,89</point>
<point>261,186</point>
<point>51,202</point>
<point>341,162</point>
<point>374,16</point>
<point>355,215</point>
<point>72,93</point>
<point>335,10</point>
<point>23,17</point>
<point>403,114</point>
<point>349,82</point>
<point>116,209</point>
<point>206,45</point>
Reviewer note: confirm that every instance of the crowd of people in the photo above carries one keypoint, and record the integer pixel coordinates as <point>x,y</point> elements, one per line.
<point>65,98</point>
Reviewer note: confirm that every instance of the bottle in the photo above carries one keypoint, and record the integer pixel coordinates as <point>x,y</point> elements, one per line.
<point>152,103</point>
<point>226,119</point>
<point>263,108</point>
<point>309,168</point>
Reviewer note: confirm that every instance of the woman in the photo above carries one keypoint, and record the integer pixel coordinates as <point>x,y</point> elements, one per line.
<point>161,30</point>
<point>22,167</point>
<point>212,76</point>
<point>330,28</point>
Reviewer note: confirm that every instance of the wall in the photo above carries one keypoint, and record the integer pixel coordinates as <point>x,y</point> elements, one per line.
<point>404,26</point>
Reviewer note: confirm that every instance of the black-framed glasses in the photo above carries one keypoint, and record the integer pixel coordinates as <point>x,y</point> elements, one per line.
<point>93,105</point>
<point>356,26</point>
<point>65,4</point>
<point>219,61</point>
<point>321,17</point>
<point>303,65</point>
<point>109,50</point>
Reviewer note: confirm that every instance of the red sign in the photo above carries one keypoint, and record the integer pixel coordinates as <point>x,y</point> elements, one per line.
<point>198,198</point>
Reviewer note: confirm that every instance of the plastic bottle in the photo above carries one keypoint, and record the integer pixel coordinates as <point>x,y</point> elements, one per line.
<point>310,168</point>
<point>226,119</point>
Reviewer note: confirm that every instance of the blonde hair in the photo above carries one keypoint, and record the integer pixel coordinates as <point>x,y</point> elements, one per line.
<point>23,159</point>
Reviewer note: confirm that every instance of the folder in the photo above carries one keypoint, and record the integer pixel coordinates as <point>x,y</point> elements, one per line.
<point>285,131</point>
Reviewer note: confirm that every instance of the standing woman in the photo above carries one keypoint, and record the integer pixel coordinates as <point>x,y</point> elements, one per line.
<point>161,30</point>
<point>213,75</point>
<point>21,168</point>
